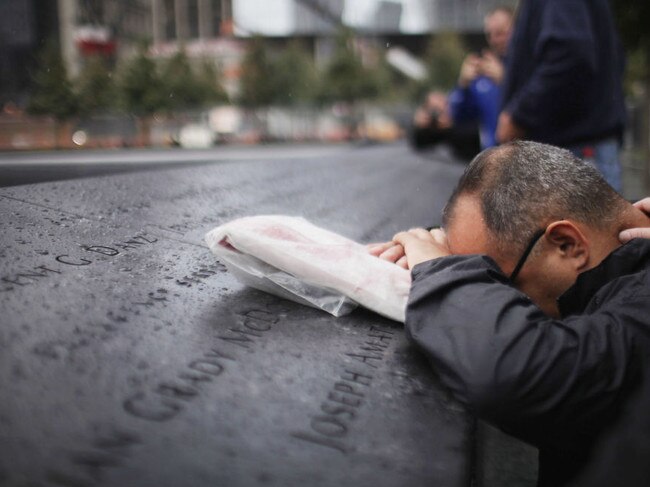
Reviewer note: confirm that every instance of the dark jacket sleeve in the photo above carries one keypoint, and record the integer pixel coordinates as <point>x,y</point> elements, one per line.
<point>531,375</point>
<point>565,59</point>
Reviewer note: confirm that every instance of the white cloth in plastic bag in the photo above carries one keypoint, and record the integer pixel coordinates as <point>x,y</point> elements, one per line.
<point>292,258</point>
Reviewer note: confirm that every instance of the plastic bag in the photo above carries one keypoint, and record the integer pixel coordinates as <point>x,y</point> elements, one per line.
<point>292,258</point>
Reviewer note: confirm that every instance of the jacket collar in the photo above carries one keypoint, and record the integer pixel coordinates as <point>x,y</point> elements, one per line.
<point>627,259</point>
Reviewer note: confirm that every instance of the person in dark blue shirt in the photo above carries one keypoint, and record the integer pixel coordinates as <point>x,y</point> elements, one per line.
<point>478,95</point>
<point>563,81</point>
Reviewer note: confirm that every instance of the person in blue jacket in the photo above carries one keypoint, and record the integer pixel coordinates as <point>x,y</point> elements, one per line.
<point>478,95</point>
<point>563,81</point>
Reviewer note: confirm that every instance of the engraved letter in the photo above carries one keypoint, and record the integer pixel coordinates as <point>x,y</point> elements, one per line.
<point>362,379</point>
<point>143,237</point>
<point>241,339</point>
<point>328,426</point>
<point>261,315</point>
<point>259,326</point>
<point>62,259</point>
<point>176,391</point>
<point>43,268</point>
<point>347,388</point>
<point>340,398</point>
<point>328,408</point>
<point>215,353</point>
<point>160,411</point>
<point>329,443</point>
<point>207,367</point>
<point>374,347</point>
<point>365,358</point>
<point>100,249</point>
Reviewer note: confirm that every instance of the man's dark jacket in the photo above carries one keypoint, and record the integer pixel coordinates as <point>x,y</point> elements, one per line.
<point>554,383</point>
<point>563,80</point>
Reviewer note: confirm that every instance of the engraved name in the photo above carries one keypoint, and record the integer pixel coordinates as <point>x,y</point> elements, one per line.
<point>35,274</point>
<point>332,424</point>
<point>167,398</point>
<point>88,466</point>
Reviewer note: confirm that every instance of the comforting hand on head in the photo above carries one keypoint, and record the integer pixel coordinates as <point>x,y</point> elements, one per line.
<point>627,235</point>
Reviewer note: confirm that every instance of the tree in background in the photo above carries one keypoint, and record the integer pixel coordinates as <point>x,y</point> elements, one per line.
<point>178,81</point>
<point>345,78</point>
<point>183,88</point>
<point>295,80</point>
<point>140,90</point>
<point>390,85</point>
<point>444,58</point>
<point>207,82</point>
<point>139,85</point>
<point>633,18</point>
<point>95,87</point>
<point>52,93</point>
<point>257,71</point>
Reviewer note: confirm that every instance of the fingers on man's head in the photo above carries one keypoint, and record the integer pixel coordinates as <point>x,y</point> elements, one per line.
<point>627,235</point>
<point>643,205</point>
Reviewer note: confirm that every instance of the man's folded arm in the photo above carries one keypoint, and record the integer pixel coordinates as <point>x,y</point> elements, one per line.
<point>502,356</point>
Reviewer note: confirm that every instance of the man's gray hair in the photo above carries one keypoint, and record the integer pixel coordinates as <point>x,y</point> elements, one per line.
<point>524,186</point>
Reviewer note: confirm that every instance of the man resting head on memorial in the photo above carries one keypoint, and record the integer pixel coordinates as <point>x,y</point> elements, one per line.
<point>531,310</point>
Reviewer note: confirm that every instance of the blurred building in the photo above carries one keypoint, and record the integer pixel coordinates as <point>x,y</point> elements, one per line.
<point>101,27</point>
<point>458,15</point>
<point>25,25</point>
<point>183,20</point>
<point>317,17</point>
<point>204,29</point>
<point>388,17</point>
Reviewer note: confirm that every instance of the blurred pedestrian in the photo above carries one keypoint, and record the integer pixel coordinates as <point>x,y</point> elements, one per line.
<point>563,81</point>
<point>432,124</point>
<point>477,95</point>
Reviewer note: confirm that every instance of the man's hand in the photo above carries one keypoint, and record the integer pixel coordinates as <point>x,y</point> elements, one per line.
<point>390,251</point>
<point>627,235</point>
<point>420,245</point>
<point>421,118</point>
<point>507,129</point>
<point>491,66</point>
<point>393,251</point>
<point>469,71</point>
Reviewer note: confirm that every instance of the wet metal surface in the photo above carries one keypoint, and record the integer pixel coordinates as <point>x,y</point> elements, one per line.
<point>128,356</point>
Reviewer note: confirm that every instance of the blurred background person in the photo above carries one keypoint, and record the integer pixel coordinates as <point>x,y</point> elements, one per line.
<point>466,119</point>
<point>563,81</point>
<point>478,95</point>
<point>433,124</point>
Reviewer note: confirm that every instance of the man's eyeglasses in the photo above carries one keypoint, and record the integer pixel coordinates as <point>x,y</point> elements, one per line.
<point>529,248</point>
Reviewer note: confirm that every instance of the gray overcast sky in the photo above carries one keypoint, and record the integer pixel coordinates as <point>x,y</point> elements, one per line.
<point>275,17</point>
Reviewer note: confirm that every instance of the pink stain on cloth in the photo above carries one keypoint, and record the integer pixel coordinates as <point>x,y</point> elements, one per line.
<point>290,257</point>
